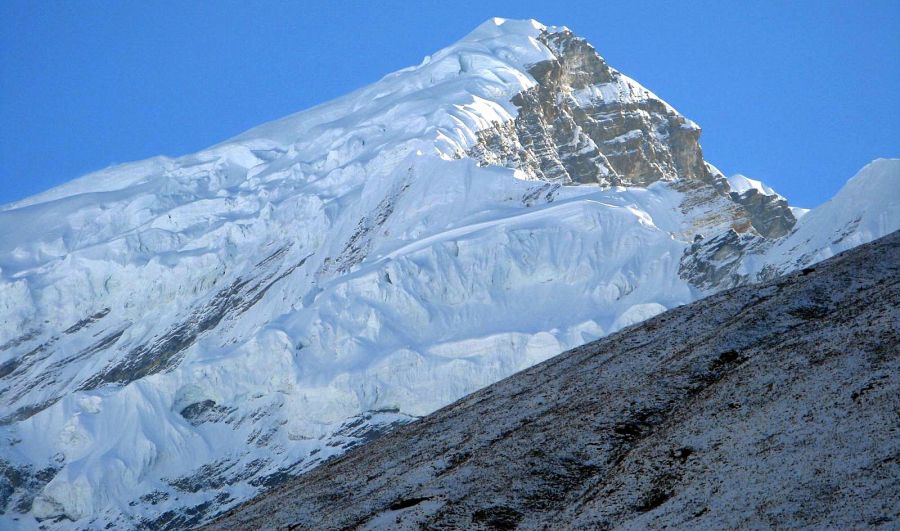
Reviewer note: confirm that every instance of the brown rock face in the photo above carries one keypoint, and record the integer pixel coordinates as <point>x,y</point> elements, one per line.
<point>584,122</point>
<point>770,214</point>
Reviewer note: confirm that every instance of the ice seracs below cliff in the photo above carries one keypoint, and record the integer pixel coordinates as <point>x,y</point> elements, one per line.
<point>179,333</point>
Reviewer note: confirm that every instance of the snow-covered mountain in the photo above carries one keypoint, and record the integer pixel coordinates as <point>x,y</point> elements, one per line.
<point>178,334</point>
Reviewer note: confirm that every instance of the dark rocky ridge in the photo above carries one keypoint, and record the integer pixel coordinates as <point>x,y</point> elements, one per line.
<point>767,405</point>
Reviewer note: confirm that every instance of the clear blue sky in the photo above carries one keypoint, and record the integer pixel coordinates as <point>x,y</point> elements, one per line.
<point>798,94</point>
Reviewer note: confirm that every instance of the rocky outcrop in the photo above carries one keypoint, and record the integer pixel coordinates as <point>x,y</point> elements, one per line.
<point>19,484</point>
<point>717,262</point>
<point>769,214</point>
<point>769,405</point>
<point>584,122</point>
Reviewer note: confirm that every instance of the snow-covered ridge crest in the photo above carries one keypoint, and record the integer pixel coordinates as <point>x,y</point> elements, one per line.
<point>488,64</point>
<point>742,184</point>
<point>177,334</point>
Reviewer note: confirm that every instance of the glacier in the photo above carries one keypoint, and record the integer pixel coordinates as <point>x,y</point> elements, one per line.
<point>179,334</point>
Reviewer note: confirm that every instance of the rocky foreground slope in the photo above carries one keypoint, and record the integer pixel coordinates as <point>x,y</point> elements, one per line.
<point>772,405</point>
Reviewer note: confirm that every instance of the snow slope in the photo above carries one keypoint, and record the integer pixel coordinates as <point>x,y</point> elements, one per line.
<point>178,334</point>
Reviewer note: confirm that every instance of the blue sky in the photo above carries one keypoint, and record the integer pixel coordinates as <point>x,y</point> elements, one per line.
<point>798,94</point>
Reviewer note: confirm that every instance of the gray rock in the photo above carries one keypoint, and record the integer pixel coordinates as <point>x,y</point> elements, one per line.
<point>716,262</point>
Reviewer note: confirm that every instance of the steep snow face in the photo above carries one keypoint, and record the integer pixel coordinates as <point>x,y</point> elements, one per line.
<point>177,334</point>
<point>864,209</point>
